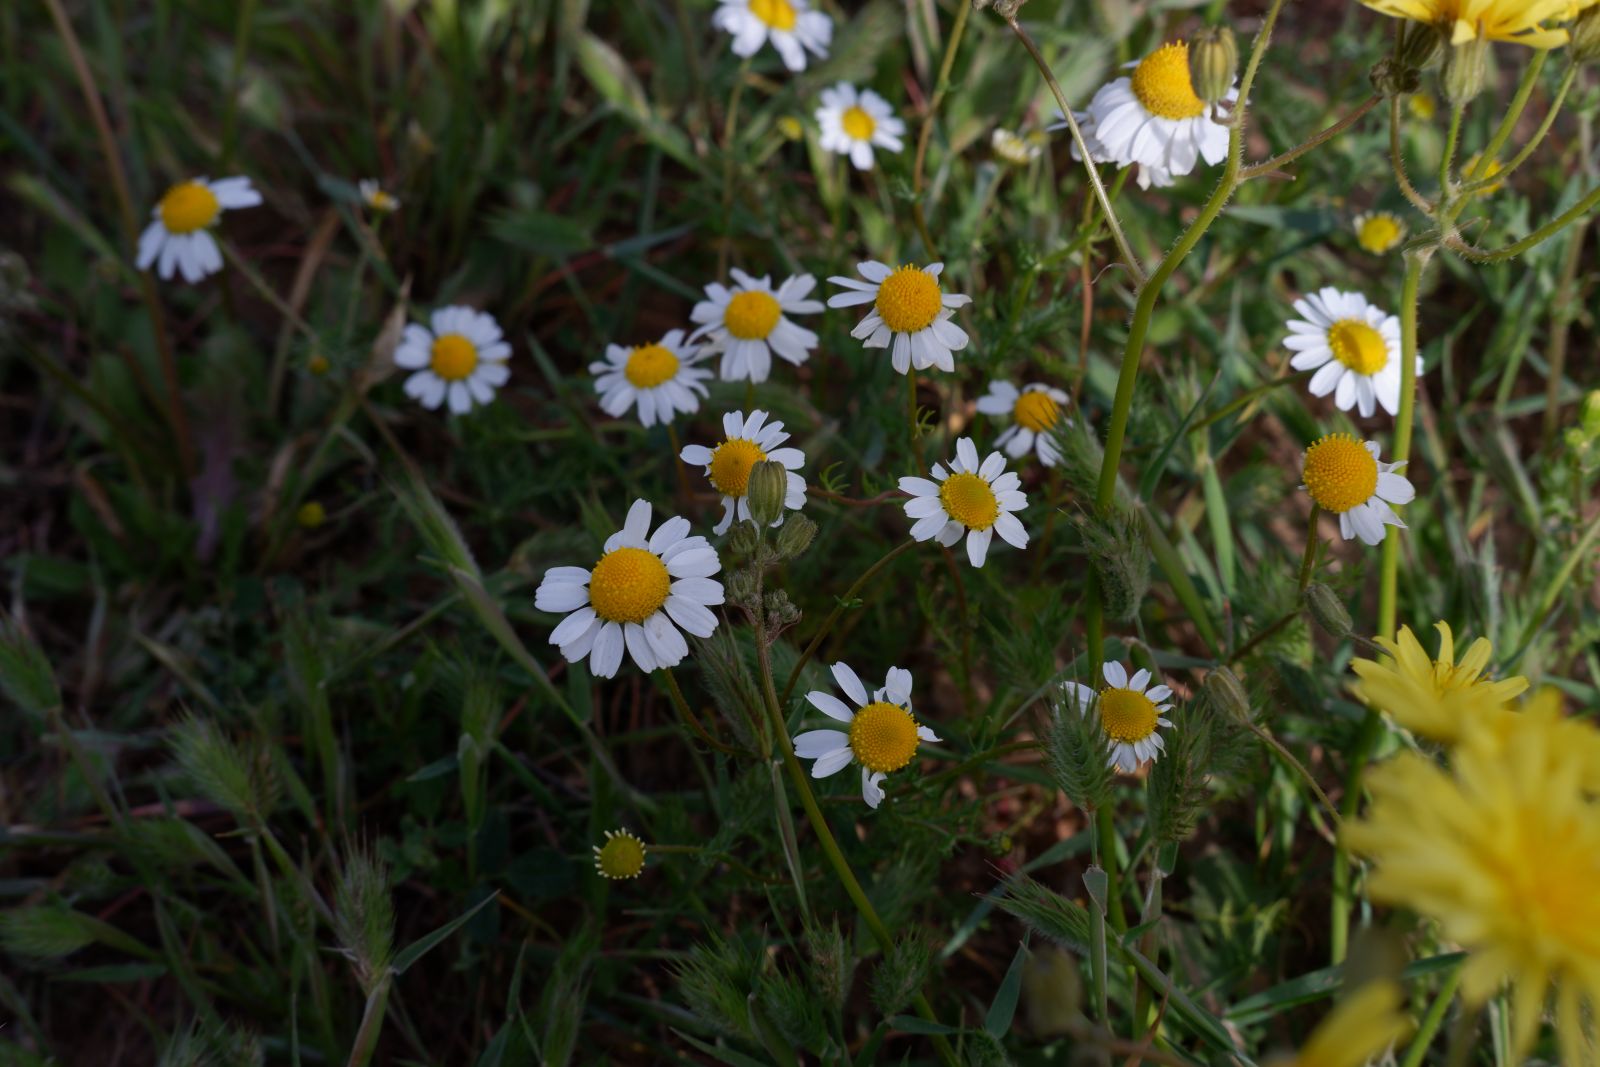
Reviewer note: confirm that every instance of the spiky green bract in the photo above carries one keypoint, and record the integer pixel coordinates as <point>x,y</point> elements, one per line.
<point>727,671</point>
<point>44,932</point>
<point>1117,546</point>
<point>832,964</point>
<point>717,978</point>
<point>237,776</point>
<point>1178,796</point>
<point>1047,912</point>
<point>214,1044</point>
<point>902,970</point>
<point>1076,748</point>
<point>363,916</point>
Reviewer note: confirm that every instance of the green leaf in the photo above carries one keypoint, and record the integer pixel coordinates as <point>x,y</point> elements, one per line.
<point>427,942</point>
<point>1004,1006</point>
<point>910,1024</point>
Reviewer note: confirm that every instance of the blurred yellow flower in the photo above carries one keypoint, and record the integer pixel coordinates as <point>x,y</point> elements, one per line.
<point>1379,231</point>
<point>1502,850</point>
<point>1422,105</point>
<point>1359,1027</point>
<point>1470,172</point>
<point>1515,21</point>
<point>1434,698</point>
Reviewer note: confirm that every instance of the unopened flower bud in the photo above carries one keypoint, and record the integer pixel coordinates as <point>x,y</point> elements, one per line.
<point>768,485</point>
<point>742,541</point>
<point>1585,42</point>
<point>1328,610</point>
<point>1390,78</point>
<point>741,589</point>
<point>1419,43</point>
<point>1227,694</point>
<point>1213,59</point>
<point>796,536</point>
<point>1465,67</point>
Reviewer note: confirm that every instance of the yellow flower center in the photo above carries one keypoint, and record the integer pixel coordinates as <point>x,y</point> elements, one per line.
<point>909,300</point>
<point>779,14</point>
<point>628,585</point>
<point>730,465</point>
<point>649,366</point>
<point>454,357</point>
<point>381,201</point>
<point>751,315</point>
<point>858,125</point>
<point>969,500</point>
<point>1126,715</point>
<point>1340,473</point>
<point>1036,411</point>
<point>1379,233</point>
<point>883,737</point>
<point>1358,346</point>
<point>1161,82</point>
<point>189,206</point>
<point>621,857</point>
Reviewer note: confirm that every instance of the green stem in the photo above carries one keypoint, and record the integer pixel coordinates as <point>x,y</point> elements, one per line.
<point>940,87</point>
<point>1308,564</point>
<point>1543,233</point>
<point>366,1041</point>
<point>838,609</point>
<point>730,126</point>
<point>1563,309</point>
<point>1429,1027</point>
<point>1398,163</point>
<point>241,48</point>
<point>689,717</point>
<point>1267,167</point>
<point>1106,824</point>
<point>1245,398</point>
<point>1508,122</point>
<point>1448,156</point>
<point>1527,150</point>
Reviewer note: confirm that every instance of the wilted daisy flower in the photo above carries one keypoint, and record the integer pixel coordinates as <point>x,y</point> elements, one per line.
<point>909,307</point>
<point>621,857</point>
<point>747,325</point>
<point>373,195</point>
<point>1379,231</point>
<point>1515,21</point>
<point>792,27</point>
<point>883,736</point>
<point>463,357</point>
<point>969,498</point>
<point>1018,151</point>
<point>632,597</point>
<point>661,378</point>
<point>1130,711</point>
<point>1034,412</point>
<point>1154,118</point>
<point>1355,345</point>
<point>1470,172</point>
<point>854,121</point>
<point>1502,850</point>
<point>179,237</point>
<point>1434,697</point>
<point>1360,1026</point>
<point>1343,475</point>
<point>745,443</point>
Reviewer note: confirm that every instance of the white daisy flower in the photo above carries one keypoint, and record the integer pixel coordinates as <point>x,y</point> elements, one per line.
<point>373,195</point>
<point>792,27</point>
<point>1129,714</point>
<point>640,588</point>
<point>1153,118</point>
<point>1014,149</point>
<point>853,121</point>
<point>463,357</point>
<point>969,498</point>
<point>179,238</point>
<point>882,738</point>
<point>1379,231</point>
<point>1356,346</point>
<point>747,325</point>
<point>661,378</point>
<point>1034,413</point>
<point>1343,475</point>
<point>908,306</point>
<point>745,443</point>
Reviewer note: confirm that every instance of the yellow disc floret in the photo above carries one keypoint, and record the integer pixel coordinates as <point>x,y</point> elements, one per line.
<point>1161,82</point>
<point>188,207</point>
<point>969,500</point>
<point>909,300</point>
<point>628,585</point>
<point>1036,411</point>
<point>1126,714</point>
<point>454,357</point>
<point>649,366</point>
<point>1358,346</point>
<point>1379,233</point>
<point>622,856</point>
<point>1340,473</point>
<point>730,465</point>
<point>858,125</point>
<point>751,315</point>
<point>883,737</point>
<point>778,14</point>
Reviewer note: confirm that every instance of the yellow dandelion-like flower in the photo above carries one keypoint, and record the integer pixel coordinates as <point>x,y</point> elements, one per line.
<point>1434,697</point>
<point>1502,850</point>
<point>1359,1027</point>
<point>1513,21</point>
<point>622,856</point>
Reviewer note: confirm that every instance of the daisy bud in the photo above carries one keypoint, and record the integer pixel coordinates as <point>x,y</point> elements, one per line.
<point>1214,58</point>
<point>1328,610</point>
<point>1419,43</point>
<point>796,536</point>
<point>1227,694</point>
<point>744,539</point>
<point>741,589</point>
<point>1465,66</point>
<point>768,485</point>
<point>1390,78</point>
<point>1585,43</point>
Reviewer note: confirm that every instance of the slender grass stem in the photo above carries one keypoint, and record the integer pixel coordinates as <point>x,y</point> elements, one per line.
<point>230,116</point>
<point>1563,309</point>
<point>1428,1029</point>
<point>940,87</point>
<point>730,127</point>
<point>1308,564</point>
<point>1258,170</point>
<point>838,610</point>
